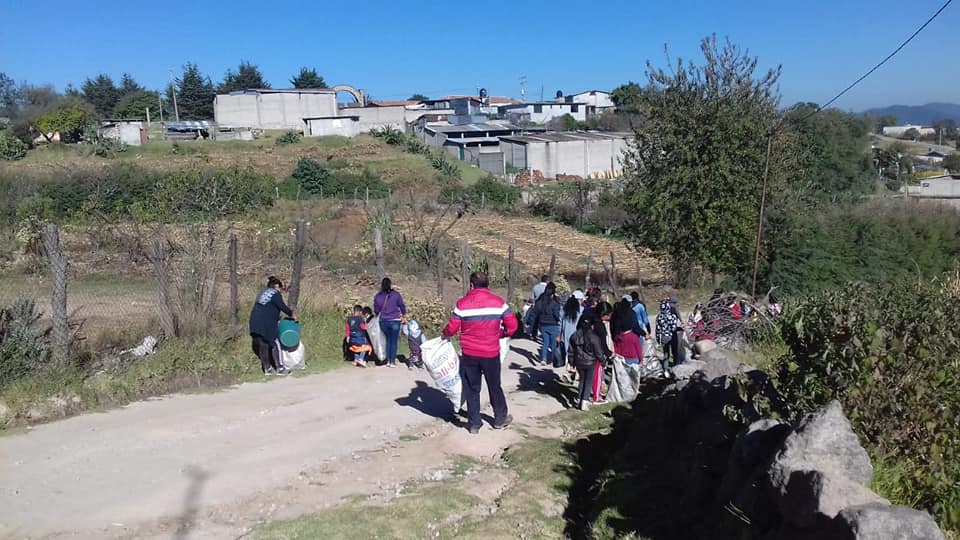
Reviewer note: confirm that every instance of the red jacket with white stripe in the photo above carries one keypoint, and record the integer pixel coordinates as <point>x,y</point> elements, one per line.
<point>482,318</point>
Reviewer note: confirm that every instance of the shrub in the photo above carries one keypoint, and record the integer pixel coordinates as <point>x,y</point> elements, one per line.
<point>494,192</point>
<point>312,176</point>
<point>290,137</point>
<point>430,313</point>
<point>24,344</point>
<point>11,148</point>
<point>890,355</point>
<point>212,193</point>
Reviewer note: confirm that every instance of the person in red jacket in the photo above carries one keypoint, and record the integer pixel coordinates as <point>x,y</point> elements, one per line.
<point>482,318</point>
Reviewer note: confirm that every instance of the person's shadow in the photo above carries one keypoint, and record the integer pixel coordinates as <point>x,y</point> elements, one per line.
<point>530,356</point>
<point>428,400</point>
<point>547,382</point>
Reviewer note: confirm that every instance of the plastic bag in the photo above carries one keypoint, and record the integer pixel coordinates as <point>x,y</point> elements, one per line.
<point>504,349</point>
<point>625,382</point>
<point>443,365</point>
<point>377,340</point>
<point>293,358</point>
<point>559,355</point>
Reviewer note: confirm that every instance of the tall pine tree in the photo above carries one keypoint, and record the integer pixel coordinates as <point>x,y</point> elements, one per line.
<point>246,77</point>
<point>308,78</point>
<point>101,93</point>
<point>195,94</point>
<point>129,85</point>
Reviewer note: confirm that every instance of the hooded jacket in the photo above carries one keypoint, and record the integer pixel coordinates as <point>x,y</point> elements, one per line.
<point>482,318</point>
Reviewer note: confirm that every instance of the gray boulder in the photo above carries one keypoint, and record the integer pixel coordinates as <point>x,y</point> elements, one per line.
<point>811,498</point>
<point>687,369</point>
<point>823,441</point>
<point>820,469</point>
<point>880,521</point>
<point>720,363</point>
<point>704,346</point>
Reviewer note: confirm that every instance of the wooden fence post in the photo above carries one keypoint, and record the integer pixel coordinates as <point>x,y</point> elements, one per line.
<point>58,298</point>
<point>161,266</point>
<point>613,274</point>
<point>299,242</point>
<point>378,249</point>
<point>553,265</point>
<point>465,265</point>
<point>234,286</point>
<point>441,274</point>
<point>511,273</point>
<point>589,268</point>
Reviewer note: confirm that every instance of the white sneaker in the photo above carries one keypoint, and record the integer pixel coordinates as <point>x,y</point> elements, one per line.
<point>584,405</point>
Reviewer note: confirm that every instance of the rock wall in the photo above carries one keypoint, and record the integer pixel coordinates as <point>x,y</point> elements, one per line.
<point>789,482</point>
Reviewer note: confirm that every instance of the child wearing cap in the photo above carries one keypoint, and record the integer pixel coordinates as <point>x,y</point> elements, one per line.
<point>415,339</point>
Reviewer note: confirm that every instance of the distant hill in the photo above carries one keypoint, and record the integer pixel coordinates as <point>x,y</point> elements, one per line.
<point>920,114</point>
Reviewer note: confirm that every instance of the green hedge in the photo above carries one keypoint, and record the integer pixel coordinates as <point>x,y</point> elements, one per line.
<point>891,355</point>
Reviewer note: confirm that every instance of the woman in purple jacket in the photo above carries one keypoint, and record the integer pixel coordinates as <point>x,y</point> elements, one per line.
<point>388,304</point>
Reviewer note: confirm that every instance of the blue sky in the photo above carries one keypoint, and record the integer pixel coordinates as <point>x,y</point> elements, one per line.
<point>393,49</point>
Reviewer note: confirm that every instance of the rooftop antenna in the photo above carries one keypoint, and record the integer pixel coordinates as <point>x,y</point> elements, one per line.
<point>523,87</point>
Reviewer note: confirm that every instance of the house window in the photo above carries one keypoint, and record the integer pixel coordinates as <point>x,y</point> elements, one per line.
<point>575,108</point>
<point>538,108</point>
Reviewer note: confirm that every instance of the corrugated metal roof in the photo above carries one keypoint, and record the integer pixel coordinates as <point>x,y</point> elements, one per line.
<point>566,136</point>
<point>190,124</point>
<point>481,127</point>
<point>460,141</point>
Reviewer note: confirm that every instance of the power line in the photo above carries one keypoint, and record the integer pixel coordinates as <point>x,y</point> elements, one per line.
<point>770,133</point>
<point>882,62</point>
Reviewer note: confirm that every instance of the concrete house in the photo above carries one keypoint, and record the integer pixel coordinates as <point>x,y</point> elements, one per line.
<point>578,153</point>
<point>128,132</point>
<point>596,101</point>
<point>274,109</point>
<point>542,112</point>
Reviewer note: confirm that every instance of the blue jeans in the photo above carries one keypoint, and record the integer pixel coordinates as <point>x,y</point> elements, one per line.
<point>549,334</point>
<point>391,333</point>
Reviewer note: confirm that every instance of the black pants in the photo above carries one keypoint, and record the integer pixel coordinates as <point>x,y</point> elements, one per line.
<point>473,370</point>
<point>586,383</point>
<point>674,348</point>
<point>267,353</point>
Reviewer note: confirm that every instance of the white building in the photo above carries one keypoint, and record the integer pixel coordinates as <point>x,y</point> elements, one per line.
<point>577,153</point>
<point>542,112</point>
<point>596,101</point>
<point>274,109</point>
<point>128,132</point>
<point>899,131</point>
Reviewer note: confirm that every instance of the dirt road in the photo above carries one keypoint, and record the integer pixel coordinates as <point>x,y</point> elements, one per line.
<point>214,465</point>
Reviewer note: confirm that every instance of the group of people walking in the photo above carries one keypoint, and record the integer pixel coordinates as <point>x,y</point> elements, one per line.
<point>579,332</point>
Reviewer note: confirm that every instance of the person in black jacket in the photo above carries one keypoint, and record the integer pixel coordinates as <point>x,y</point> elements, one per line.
<point>263,326</point>
<point>589,353</point>
<point>546,316</point>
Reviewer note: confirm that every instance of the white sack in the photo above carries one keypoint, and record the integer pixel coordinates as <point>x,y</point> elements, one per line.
<point>377,340</point>
<point>443,365</point>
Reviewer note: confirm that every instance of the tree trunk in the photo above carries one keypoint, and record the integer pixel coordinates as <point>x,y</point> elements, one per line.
<point>60,333</point>
<point>553,265</point>
<point>640,282</point>
<point>161,262</point>
<point>298,247</point>
<point>441,274</point>
<point>378,247</point>
<point>465,265</point>
<point>234,286</point>
<point>613,274</point>
<point>511,273</point>
<point>589,268</point>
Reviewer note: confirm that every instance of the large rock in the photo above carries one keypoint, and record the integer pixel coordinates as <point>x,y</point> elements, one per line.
<point>720,363</point>
<point>703,346</point>
<point>820,470</point>
<point>687,369</point>
<point>812,497</point>
<point>823,441</point>
<point>881,521</point>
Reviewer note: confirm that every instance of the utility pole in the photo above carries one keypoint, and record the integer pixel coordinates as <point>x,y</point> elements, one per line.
<point>160,99</point>
<point>523,88</point>
<point>173,89</point>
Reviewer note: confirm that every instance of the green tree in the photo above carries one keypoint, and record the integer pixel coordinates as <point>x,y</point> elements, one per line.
<point>946,127</point>
<point>70,118</point>
<point>418,97</point>
<point>195,94</point>
<point>952,163</point>
<point>135,105</point>
<point>627,97</point>
<point>11,97</point>
<point>308,78</point>
<point>911,134</point>
<point>832,150</point>
<point>695,166</point>
<point>246,77</point>
<point>886,121</point>
<point>101,93</point>
<point>129,85</point>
